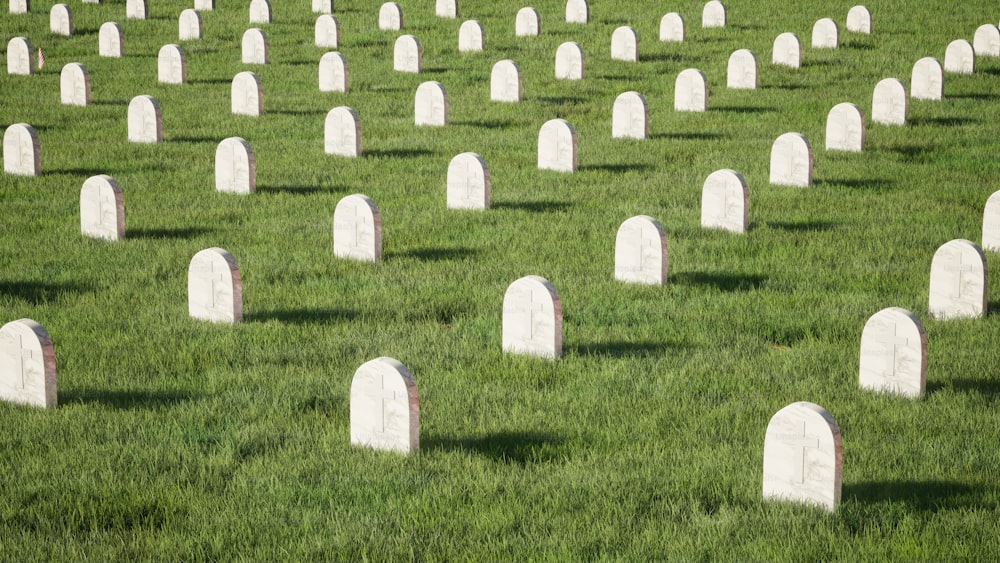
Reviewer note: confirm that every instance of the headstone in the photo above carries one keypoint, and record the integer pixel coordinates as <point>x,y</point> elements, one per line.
<point>845,128</point>
<point>327,31</point>
<point>825,34</point>
<point>624,44</point>
<point>470,36</point>
<point>557,146</point>
<point>19,6</point>
<point>342,132</point>
<point>74,85</point>
<point>385,411</point>
<point>927,80</point>
<point>532,318</point>
<point>959,281</point>
<point>27,364</point>
<point>960,57</point>
<point>102,210</point>
<point>986,41</point>
<point>207,5</point>
<point>357,229</point>
<point>894,353</point>
<point>248,95</point>
<point>260,11</point>
<point>430,105</point>
<point>691,91</point>
<point>333,75</point>
<point>61,20</point>
<point>741,72</point>
<point>136,9</point>
<point>171,65</point>
<point>256,49</point>
<point>889,102</point>
<point>390,17</point>
<point>322,6</point>
<point>787,50</point>
<point>577,11</point>
<point>630,116</point>
<point>713,14</point>
<point>446,8</point>
<point>505,82</point>
<point>725,202</point>
<point>569,61</point>
<point>111,42</point>
<point>803,456</point>
<point>672,27</point>
<point>527,24</point>
<point>22,151</point>
<point>468,182</point>
<point>235,167</point>
<point>859,20</point>
<point>641,251</point>
<point>991,223</point>
<point>189,25</point>
<point>145,120</point>
<point>20,56</point>
<point>215,287</point>
<point>406,54</point>
<point>791,161</point>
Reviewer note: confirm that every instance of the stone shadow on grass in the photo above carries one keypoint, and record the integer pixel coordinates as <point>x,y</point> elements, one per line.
<point>395,153</point>
<point>919,495</point>
<point>723,281</point>
<point>799,226</point>
<point>292,190</point>
<point>177,233</point>
<point>125,400</point>
<point>512,447</point>
<point>688,136</point>
<point>544,206</point>
<point>619,168</point>
<point>620,349</point>
<point>319,315</point>
<point>435,254</point>
<point>859,183</point>
<point>988,388</point>
<point>39,292</point>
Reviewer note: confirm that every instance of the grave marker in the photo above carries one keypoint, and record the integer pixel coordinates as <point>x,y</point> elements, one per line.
<point>20,57</point>
<point>825,34</point>
<point>322,6</point>
<point>74,85</point>
<point>256,49</point>
<point>145,120</point>
<point>624,44</point>
<point>333,75</point>
<point>691,91</point>
<point>342,132</point>
<point>430,105</point>
<point>958,281</point>
<point>260,11</point>
<point>206,5</point>
<point>526,23</point>
<point>532,318</point>
<point>235,167</point>
<point>641,251</point>
<point>385,411</point>
<point>102,209</point>
<point>630,116</point>
<point>787,50</point>
<point>845,128</point>
<point>189,25</point>
<point>171,66</point>
<point>505,82</point>
<point>61,20</point>
<point>19,6</point>
<point>468,182</point>
<point>960,57</point>
<point>859,20</point>
<point>991,223</point>
<point>390,17</point>
<point>327,31</point>
<point>470,36</point>
<point>27,365</point>
<point>672,27</point>
<point>357,229</point>
<point>889,102</point>
<point>791,161</point>
<point>927,80</point>
<point>22,151</point>
<point>406,54</point>
<point>986,41</point>
<point>215,287</point>
<point>725,202</point>
<point>741,71</point>
<point>894,353</point>
<point>136,9</point>
<point>577,11</point>
<point>569,61</point>
<point>713,15</point>
<point>247,94</point>
<point>803,456</point>
<point>446,9</point>
<point>110,41</point>
<point>557,146</point>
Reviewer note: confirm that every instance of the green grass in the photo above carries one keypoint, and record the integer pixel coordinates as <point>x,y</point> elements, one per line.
<point>177,439</point>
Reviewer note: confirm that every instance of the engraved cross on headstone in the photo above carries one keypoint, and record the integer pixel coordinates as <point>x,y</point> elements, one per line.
<point>221,283</point>
<point>16,359</point>
<point>384,395</point>
<point>953,264</point>
<point>891,343</point>
<point>800,443</point>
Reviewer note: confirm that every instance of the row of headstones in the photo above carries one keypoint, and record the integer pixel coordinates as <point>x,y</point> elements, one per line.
<point>61,16</point>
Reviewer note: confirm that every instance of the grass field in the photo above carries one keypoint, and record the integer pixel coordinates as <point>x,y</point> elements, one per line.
<point>178,439</point>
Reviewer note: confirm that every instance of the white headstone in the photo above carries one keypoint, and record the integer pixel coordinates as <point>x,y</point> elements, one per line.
<point>215,287</point>
<point>741,71</point>
<point>991,223</point>
<point>641,251</point>
<point>725,202</point>
<point>22,151</point>
<point>630,116</point>
<point>672,27</point>
<point>406,54</point>
<point>342,132</point>
<point>713,14</point>
<point>322,6</point>
<point>61,20</point>
<point>959,281</point>
<point>260,11</point>
<point>577,11</point>
<point>207,5</point>
<point>171,66</point>
<point>327,31</point>
<point>19,6</point>
<point>569,61</point>
<point>986,41</point>
<point>446,8</point>
<point>894,353</point>
<point>791,161</point>
<point>557,146</point>
<point>111,42</point>
<point>505,82</point>
<point>532,318</point>
<point>189,25</point>
<point>247,94</point>
<point>845,128</point>
<point>74,85</point>
<point>527,24</point>
<point>390,17</point>
<point>468,182</point>
<point>889,102</point>
<point>624,44</point>
<point>235,167</point>
<point>357,229</point>
<point>430,105</point>
<point>825,34</point>
<point>102,210</point>
<point>859,20</point>
<point>256,49</point>
<point>960,57</point>
<point>333,75</point>
<point>787,50</point>
<point>20,56</point>
<point>145,120</point>
<point>470,36</point>
<point>691,91</point>
<point>385,411</point>
<point>927,80</point>
<point>27,364</point>
<point>803,456</point>
<point>136,9</point>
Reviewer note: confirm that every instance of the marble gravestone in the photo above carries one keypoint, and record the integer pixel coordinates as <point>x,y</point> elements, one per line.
<point>960,57</point>
<point>406,54</point>
<point>986,41</point>
<point>342,132</point>
<point>991,223</point>
<point>691,91</point>
<point>247,95</point>
<point>22,151</point>
<point>641,251</point>
<point>825,34</point>
<point>713,15</point>
<point>803,456</point>
<point>927,80</point>
<point>845,128</point>
<point>357,229</point>
<point>327,31</point>
<point>446,8</point>
<point>235,167</point>
<point>204,5</point>
<point>215,287</point>
<point>430,105</point>
<point>526,23</point>
<point>577,11</point>
<point>470,36</point>
<point>20,57</point>
<point>390,17</point>
<point>102,209</point>
<point>532,318</point>
<point>256,50</point>
<point>171,66</point>
<point>630,116</point>
<point>61,20</point>
<point>110,41</point>
<point>557,146</point>
<point>741,71</point>
<point>505,82</point>
<point>791,161</point>
<point>385,410</point>
<point>894,353</point>
<point>145,120</point>
<point>189,25</point>
<point>322,6</point>
<point>889,102</point>
<point>672,27</point>
<point>859,20</point>
<point>27,364</point>
<point>725,202</point>
<point>136,9</point>
<point>787,50</point>
<point>19,6</point>
<point>959,281</point>
<point>260,11</point>
<point>333,75</point>
<point>468,182</point>
<point>569,61</point>
<point>74,85</point>
<point>624,44</point>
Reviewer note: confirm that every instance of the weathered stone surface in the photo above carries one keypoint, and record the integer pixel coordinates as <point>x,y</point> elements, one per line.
<point>741,71</point>
<point>136,9</point>
<point>569,61</point>
<point>557,146</point>
<point>532,318</point>
<point>446,8</point>
<point>260,11</point>
<point>725,202</point>
<point>327,31</point>
<point>927,80</point>
<point>385,411</point>
<point>505,82</point>
<point>470,36</point>
<point>468,182</point>
<point>803,456</point>
<point>20,57</point>
<point>27,364</point>
<point>672,27</point>
<point>986,41</point>
<point>894,353</point>
<point>390,17</point>
<point>825,34</point>
<point>787,50</point>
<point>74,85</point>
<point>991,223</point>
<point>791,161</point>
<point>145,120</point>
<point>960,57</point>
<point>357,229</point>
<point>215,287</point>
<point>959,281</point>
<point>256,49</point>
<point>247,94</point>
<point>430,105</point>
<point>204,5</point>
<point>526,23</point>
<point>189,25</point>
<point>577,11</point>
<point>691,91</point>
<point>61,20</point>
<point>111,41</point>
<point>889,102</point>
<point>641,251</point>
<point>630,116</point>
<point>406,54</point>
<point>322,6</point>
<point>235,167</point>
<point>333,73</point>
<point>342,132</point>
<point>102,208</point>
<point>171,66</point>
<point>859,20</point>
<point>22,150</point>
<point>624,44</point>
<point>845,128</point>
<point>713,14</point>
